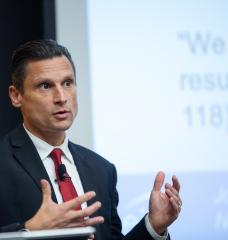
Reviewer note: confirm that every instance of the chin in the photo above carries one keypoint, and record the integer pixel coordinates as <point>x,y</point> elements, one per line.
<point>62,127</point>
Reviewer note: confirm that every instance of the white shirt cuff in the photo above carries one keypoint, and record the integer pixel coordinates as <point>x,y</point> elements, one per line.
<point>152,231</point>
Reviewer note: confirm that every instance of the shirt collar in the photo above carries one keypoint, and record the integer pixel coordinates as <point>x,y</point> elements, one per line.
<point>44,149</point>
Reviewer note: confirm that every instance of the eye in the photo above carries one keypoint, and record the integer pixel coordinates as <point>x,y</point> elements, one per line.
<point>68,83</point>
<point>44,86</point>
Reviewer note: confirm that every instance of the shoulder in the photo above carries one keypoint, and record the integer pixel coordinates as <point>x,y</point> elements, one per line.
<point>5,151</point>
<point>4,142</point>
<point>14,139</point>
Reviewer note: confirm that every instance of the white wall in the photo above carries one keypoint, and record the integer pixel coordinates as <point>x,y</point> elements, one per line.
<point>71,29</point>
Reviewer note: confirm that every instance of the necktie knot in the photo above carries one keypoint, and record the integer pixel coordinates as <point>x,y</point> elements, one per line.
<point>56,155</point>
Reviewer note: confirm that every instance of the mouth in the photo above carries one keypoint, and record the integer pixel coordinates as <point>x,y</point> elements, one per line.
<point>62,114</point>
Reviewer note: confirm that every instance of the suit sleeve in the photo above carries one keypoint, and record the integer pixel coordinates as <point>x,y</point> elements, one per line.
<point>115,219</point>
<point>14,227</point>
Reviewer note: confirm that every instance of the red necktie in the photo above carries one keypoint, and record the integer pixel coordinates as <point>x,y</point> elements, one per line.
<point>66,186</point>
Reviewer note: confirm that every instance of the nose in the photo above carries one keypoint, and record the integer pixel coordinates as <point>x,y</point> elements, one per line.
<point>59,96</point>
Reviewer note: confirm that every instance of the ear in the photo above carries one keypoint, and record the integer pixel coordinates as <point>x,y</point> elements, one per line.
<point>15,96</point>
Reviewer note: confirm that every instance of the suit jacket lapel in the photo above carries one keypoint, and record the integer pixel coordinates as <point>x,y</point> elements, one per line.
<point>26,154</point>
<point>85,171</point>
<point>89,180</point>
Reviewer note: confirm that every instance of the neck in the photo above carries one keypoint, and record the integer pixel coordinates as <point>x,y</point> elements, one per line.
<point>52,138</point>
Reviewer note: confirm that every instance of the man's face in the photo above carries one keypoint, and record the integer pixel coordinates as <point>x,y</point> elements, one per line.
<point>48,102</point>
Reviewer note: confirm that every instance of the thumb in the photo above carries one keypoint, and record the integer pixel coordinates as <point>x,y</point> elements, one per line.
<point>158,182</point>
<point>46,190</point>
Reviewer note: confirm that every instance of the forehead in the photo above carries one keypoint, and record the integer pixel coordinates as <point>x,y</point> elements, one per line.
<point>55,68</point>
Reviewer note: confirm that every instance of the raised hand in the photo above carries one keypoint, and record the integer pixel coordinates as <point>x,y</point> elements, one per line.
<point>52,215</point>
<point>164,207</point>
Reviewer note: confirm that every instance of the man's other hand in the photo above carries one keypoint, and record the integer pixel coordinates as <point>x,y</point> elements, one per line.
<point>164,207</point>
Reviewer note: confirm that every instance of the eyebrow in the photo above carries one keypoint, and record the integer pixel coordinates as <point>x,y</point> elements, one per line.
<point>67,77</point>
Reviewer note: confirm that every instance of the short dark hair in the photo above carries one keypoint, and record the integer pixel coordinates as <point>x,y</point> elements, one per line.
<point>32,51</point>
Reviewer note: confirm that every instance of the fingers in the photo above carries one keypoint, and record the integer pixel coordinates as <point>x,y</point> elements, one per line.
<point>171,189</point>
<point>86,212</point>
<point>93,221</point>
<point>86,222</point>
<point>176,183</point>
<point>81,217</point>
<point>159,180</point>
<point>72,204</point>
<point>46,190</point>
<point>176,206</point>
<point>175,188</point>
<point>173,193</point>
<point>52,215</point>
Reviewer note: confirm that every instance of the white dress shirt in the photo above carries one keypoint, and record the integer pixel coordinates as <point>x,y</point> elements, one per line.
<point>44,149</point>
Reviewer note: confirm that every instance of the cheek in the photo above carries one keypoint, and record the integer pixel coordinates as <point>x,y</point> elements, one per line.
<point>74,103</point>
<point>35,108</point>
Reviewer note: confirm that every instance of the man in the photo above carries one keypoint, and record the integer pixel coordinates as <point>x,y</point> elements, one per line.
<point>32,191</point>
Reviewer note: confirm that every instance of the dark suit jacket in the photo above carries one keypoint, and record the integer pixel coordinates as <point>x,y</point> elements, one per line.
<point>21,170</point>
